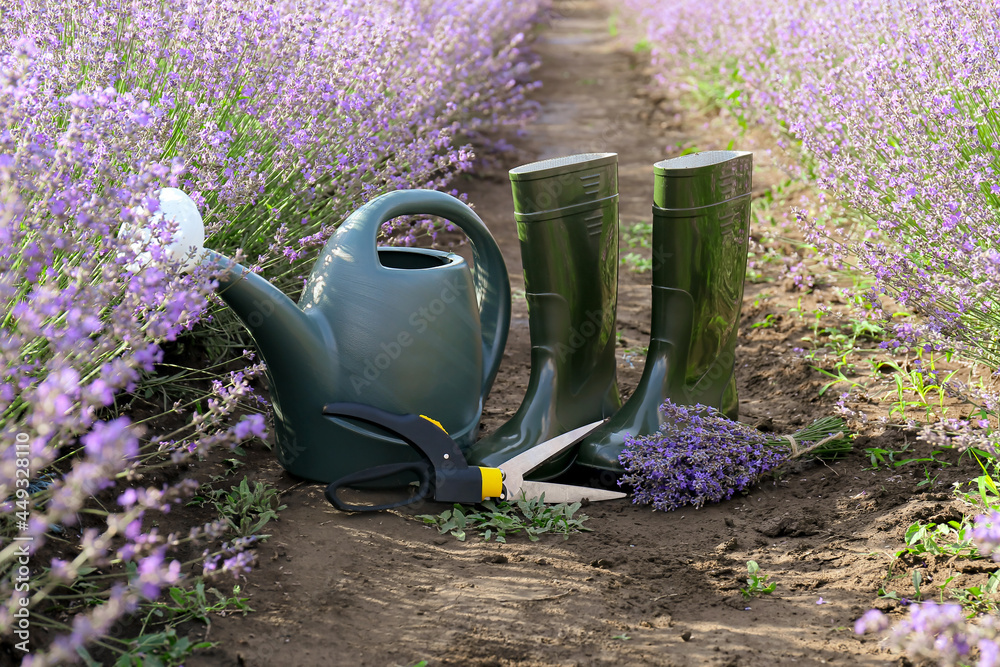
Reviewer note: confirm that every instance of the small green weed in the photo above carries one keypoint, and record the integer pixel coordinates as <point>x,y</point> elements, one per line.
<point>840,342</point>
<point>638,235</point>
<point>165,648</point>
<point>884,594</point>
<point>986,496</point>
<point>161,649</point>
<point>757,583</point>
<point>637,263</point>
<point>498,520</point>
<point>765,323</point>
<point>983,599</point>
<point>928,480</point>
<point>193,605</point>
<point>953,538</point>
<point>921,384</point>
<point>838,377</point>
<point>245,510</point>
<point>886,458</point>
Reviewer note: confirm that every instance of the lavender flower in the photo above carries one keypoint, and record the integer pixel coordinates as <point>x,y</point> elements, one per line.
<point>989,653</point>
<point>986,534</point>
<point>871,621</point>
<point>234,558</point>
<point>698,455</point>
<point>940,632</point>
<point>155,574</point>
<point>934,631</point>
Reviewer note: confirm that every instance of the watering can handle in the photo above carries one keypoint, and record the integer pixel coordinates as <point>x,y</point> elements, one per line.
<point>492,284</point>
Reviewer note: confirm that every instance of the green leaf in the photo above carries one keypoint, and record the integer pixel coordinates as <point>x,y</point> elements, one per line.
<point>914,533</point>
<point>178,595</point>
<point>87,659</point>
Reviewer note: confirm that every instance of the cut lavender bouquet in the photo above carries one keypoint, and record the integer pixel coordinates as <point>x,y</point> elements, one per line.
<point>699,456</point>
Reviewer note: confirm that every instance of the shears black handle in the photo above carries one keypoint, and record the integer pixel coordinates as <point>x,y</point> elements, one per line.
<point>443,472</point>
<point>422,469</point>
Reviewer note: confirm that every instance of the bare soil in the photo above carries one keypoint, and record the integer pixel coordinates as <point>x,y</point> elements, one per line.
<point>645,587</point>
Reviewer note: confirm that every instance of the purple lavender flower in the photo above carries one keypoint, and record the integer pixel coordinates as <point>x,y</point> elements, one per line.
<point>872,620</point>
<point>986,534</point>
<point>696,456</point>
<point>234,558</point>
<point>989,653</point>
<point>939,631</point>
<point>251,425</point>
<point>154,574</point>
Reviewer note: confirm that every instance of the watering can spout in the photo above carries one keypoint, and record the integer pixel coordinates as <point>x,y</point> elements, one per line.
<point>278,325</point>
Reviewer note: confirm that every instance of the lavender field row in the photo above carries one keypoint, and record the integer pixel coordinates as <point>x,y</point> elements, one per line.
<point>889,110</point>
<point>278,119</point>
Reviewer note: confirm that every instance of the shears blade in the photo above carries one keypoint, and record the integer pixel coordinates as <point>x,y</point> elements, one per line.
<point>525,462</point>
<point>516,468</point>
<point>564,493</point>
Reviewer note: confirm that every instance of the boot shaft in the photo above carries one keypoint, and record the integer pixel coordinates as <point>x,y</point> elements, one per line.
<point>701,223</point>
<point>567,221</point>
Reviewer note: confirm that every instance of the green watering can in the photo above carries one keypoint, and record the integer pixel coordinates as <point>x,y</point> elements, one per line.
<point>407,330</point>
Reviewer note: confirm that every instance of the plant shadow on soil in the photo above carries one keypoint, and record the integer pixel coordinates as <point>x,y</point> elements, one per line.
<point>645,587</point>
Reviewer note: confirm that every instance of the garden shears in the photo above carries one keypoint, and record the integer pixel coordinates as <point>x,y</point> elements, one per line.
<point>445,475</point>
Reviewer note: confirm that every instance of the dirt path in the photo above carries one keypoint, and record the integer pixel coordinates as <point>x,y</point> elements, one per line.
<point>644,588</point>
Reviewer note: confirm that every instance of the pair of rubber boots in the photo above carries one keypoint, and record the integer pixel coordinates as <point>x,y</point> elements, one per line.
<point>567,222</point>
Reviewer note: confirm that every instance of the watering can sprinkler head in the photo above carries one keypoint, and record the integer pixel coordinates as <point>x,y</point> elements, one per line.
<point>188,242</point>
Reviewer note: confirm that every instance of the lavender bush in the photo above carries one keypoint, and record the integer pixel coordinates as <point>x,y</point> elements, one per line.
<point>889,106</point>
<point>78,329</point>
<point>954,633</point>
<point>290,114</point>
<point>699,456</point>
<point>277,118</point>
<point>939,632</point>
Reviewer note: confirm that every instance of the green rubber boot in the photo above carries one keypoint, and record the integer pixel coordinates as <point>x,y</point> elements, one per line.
<point>701,226</point>
<point>567,221</point>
